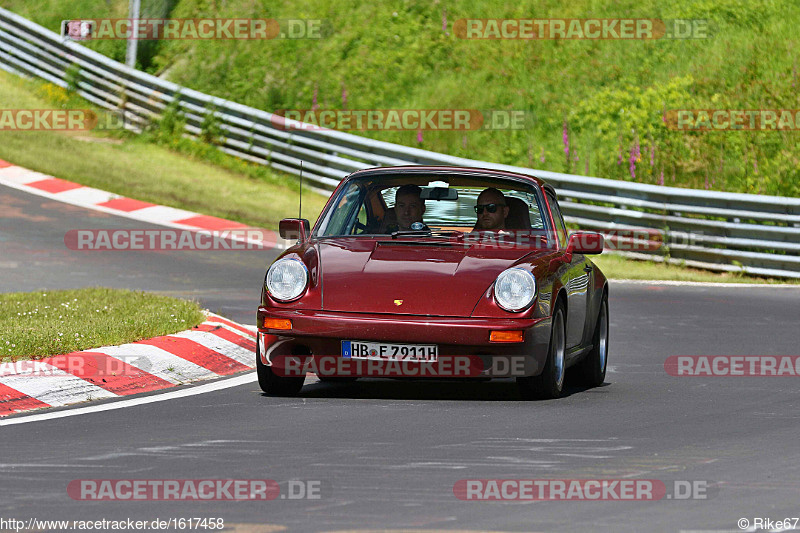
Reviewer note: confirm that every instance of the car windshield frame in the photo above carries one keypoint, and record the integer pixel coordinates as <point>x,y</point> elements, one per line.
<point>349,200</point>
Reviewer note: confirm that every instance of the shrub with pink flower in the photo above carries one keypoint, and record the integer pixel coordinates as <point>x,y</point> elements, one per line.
<point>635,156</point>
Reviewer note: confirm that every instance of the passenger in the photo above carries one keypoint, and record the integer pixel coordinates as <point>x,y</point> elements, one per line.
<point>492,210</point>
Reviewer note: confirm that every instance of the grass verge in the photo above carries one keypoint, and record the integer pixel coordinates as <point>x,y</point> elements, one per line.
<point>35,325</point>
<point>133,167</point>
<point>617,267</point>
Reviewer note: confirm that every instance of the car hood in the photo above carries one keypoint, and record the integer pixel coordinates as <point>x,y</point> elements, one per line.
<point>419,277</point>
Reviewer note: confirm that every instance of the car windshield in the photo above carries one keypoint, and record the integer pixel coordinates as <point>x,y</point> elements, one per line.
<point>423,205</point>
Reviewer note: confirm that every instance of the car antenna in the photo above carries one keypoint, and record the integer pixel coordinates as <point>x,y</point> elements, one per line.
<point>300,209</point>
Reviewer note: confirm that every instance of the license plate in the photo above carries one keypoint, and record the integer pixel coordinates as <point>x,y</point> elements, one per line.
<point>390,352</point>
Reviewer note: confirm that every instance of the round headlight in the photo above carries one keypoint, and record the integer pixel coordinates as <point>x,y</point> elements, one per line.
<point>515,289</point>
<point>287,279</point>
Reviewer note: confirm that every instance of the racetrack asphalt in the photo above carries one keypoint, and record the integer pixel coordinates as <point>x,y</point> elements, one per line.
<point>32,231</point>
<point>387,453</point>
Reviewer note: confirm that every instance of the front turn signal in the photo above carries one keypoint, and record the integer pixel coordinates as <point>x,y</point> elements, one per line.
<point>277,323</point>
<point>506,336</point>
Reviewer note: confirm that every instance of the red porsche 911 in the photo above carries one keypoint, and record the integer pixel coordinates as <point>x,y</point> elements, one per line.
<point>424,272</point>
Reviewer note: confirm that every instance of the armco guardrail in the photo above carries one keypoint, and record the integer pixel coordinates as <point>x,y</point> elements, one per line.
<point>721,231</point>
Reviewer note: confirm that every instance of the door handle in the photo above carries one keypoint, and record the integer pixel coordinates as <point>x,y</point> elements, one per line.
<point>587,268</point>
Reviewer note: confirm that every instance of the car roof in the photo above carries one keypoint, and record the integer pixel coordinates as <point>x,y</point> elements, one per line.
<point>435,169</point>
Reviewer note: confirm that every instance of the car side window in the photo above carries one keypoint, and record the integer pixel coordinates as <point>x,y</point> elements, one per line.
<point>361,222</point>
<point>561,229</point>
<point>343,216</point>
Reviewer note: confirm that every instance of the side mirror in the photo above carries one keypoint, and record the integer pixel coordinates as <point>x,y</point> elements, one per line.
<point>294,229</point>
<point>586,242</point>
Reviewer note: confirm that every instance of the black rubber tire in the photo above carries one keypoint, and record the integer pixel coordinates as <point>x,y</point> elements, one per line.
<point>273,384</point>
<point>591,371</point>
<point>546,386</point>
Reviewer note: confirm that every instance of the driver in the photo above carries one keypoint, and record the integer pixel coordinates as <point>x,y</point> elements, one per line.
<point>492,210</point>
<point>408,208</point>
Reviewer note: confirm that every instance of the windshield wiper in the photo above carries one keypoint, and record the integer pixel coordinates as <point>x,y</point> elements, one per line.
<point>411,233</point>
<point>449,233</point>
<point>428,233</point>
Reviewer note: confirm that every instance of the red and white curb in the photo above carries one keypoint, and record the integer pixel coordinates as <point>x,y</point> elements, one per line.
<point>217,347</point>
<point>76,194</point>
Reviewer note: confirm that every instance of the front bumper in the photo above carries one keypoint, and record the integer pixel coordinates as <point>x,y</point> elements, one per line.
<point>318,335</point>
